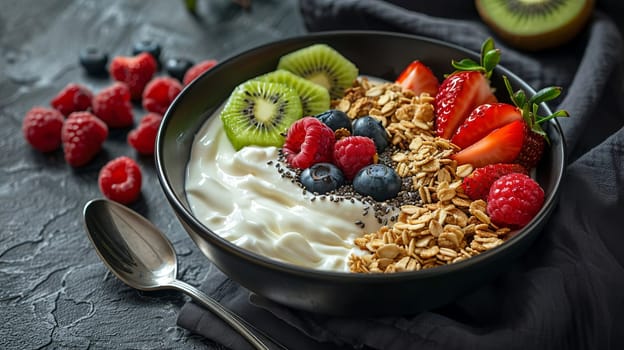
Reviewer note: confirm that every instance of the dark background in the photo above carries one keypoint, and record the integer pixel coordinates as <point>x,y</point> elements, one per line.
<point>54,291</point>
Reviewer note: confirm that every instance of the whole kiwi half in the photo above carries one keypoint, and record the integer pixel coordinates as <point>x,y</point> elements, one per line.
<point>535,24</point>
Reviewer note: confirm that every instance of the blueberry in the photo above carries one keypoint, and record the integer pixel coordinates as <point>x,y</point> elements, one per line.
<point>149,46</point>
<point>322,178</point>
<point>93,60</point>
<point>371,127</point>
<point>176,67</point>
<point>379,181</point>
<point>335,119</point>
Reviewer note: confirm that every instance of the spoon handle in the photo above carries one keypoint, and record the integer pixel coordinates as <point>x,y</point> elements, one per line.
<point>255,337</point>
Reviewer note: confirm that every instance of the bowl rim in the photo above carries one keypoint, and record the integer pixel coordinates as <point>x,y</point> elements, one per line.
<point>206,233</point>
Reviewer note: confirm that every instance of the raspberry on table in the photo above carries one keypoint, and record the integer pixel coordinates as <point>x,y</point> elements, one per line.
<point>143,137</point>
<point>134,71</point>
<point>159,93</point>
<point>514,200</point>
<point>197,70</point>
<point>353,153</point>
<point>113,105</point>
<point>83,135</point>
<point>477,185</point>
<point>120,180</point>
<point>42,128</point>
<point>72,98</point>
<point>308,142</point>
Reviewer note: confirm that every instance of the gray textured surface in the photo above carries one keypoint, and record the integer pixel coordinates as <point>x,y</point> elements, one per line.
<point>55,292</point>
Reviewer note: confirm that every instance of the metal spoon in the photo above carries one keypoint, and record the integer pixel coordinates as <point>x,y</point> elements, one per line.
<point>143,258</point>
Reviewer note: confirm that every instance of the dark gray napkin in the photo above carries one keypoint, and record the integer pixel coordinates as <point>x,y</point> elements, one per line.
<point>567,292</point>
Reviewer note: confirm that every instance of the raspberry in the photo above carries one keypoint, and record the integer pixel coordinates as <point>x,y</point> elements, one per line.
<point>42,128</point>
<point>120,180</point>
<point>135,71</point>
<point>83,135</point>
<point>477,185</point>
<point>73,98</point>
<point>112,104</point>
<point>143,137</point>
<point>159,93</point>
<point>197,70</point>
<point>308,142</point>
<point>514,199</point>
<point>352,153</point>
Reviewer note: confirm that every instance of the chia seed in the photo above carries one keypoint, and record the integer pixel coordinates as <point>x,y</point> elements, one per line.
<point>381,210</point>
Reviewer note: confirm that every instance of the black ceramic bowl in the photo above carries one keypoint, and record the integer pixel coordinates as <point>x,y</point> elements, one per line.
<point>339,293</point>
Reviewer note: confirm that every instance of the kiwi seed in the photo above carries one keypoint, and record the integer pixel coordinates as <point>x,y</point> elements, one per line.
<point>322,65</point>
<point>535,24</point>
<point>314,98</point>
<point>258,113</point>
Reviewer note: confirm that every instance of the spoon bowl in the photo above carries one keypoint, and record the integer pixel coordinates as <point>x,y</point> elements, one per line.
<point>130,246</point>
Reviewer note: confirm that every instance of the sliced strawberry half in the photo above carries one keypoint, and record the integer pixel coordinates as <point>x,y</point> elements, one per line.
<point>483,120</point>
<point>419,78</point>
<point>500,146</point>
<point>464,90</point>
<point>459,94</point>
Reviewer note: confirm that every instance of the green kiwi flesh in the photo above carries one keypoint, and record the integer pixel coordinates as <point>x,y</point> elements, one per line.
<point>535,24</point>
<point>323,65</point>
<point>314,98</point>
<point>259,113</point>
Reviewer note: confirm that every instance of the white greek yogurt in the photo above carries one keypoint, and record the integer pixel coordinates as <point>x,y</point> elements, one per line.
<point>243,198</point>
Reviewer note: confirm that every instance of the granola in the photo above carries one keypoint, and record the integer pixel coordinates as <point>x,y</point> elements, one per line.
<point>445,226</point>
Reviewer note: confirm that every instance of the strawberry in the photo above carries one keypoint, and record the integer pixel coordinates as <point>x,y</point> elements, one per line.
<point>483,120</point>
<point>535,137</point>
<point>135,71</point>
<point>502,145</point>
<point>477,185</point>
<point>419,78</point>
<point>465,89</point>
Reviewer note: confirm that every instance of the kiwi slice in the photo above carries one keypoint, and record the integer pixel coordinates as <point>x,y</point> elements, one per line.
<point>323,65</point>
<point>314,98</point>
<point>259,113</point>
<point>535,24</point>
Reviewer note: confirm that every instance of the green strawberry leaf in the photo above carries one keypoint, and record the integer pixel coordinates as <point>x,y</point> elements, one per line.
<point>487,46</point>
<point>466,64</point>
<point>490,60</point>
<point>530,108</point>
<point>557,114</point>
<point>545,94</point>
<point>519,98</point>
<point>490,57</point>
